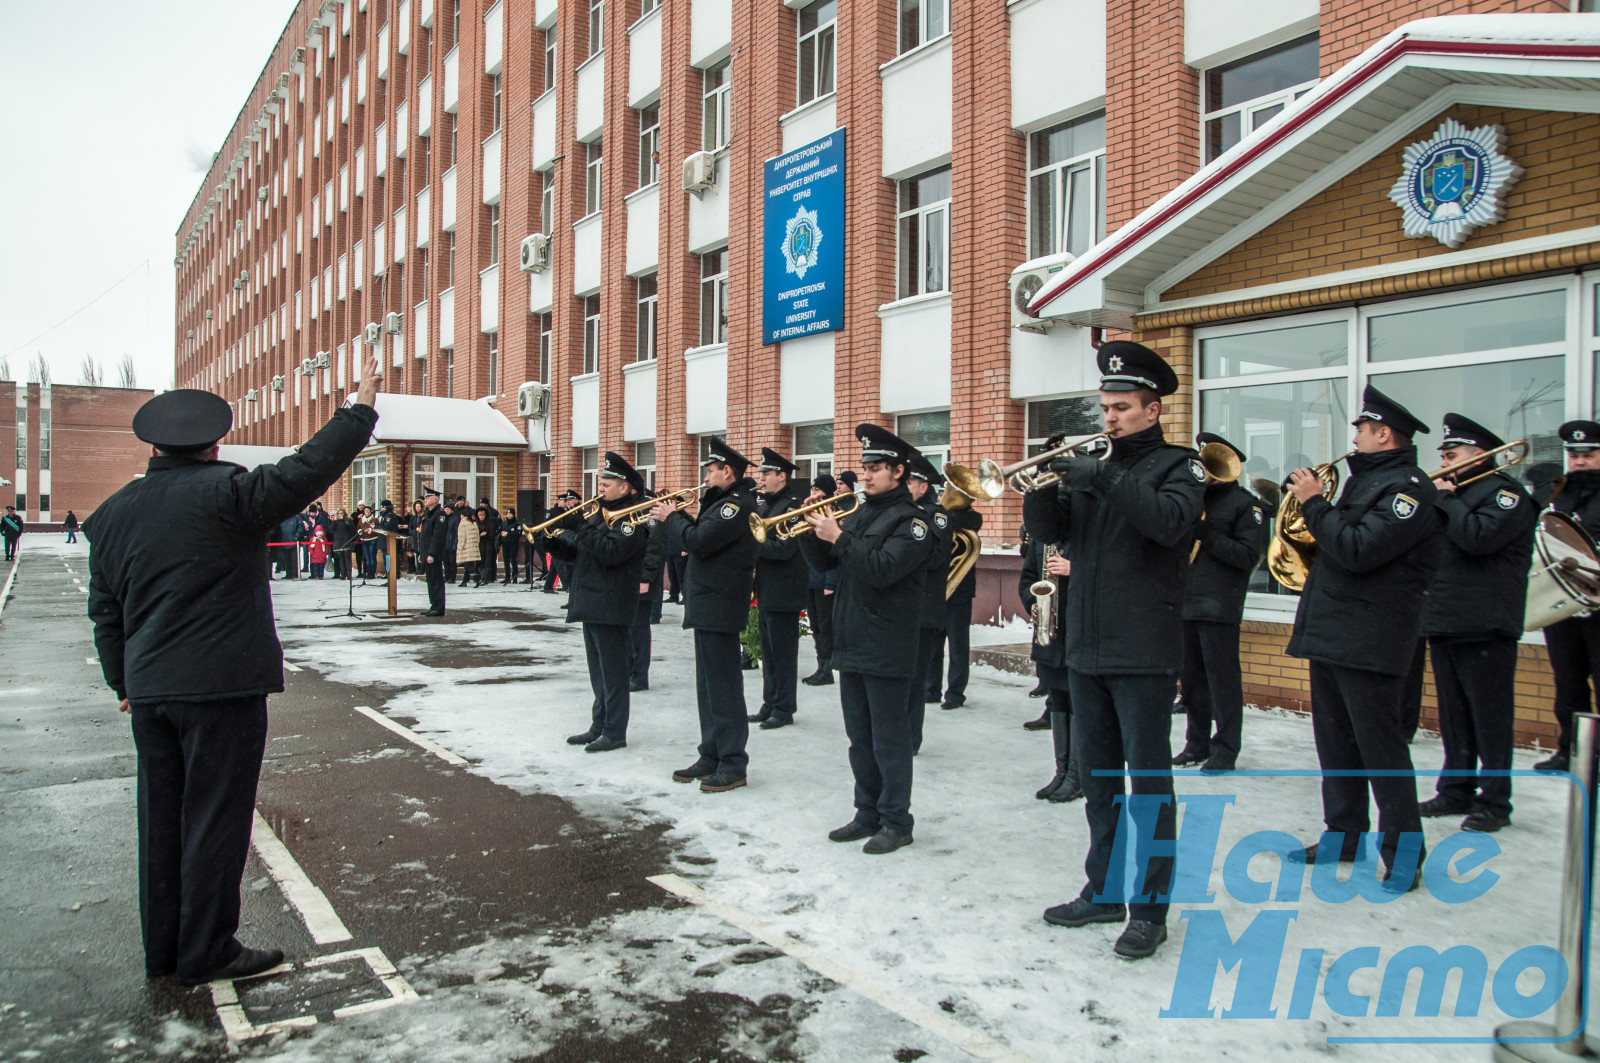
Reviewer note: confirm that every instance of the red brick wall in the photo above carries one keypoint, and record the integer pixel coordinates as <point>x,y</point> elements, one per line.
<point>1152,106</point>
<point>1350,27</point>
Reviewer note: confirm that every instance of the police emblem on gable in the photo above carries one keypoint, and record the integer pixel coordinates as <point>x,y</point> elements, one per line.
<point>1404,506</point>
<point>919,530</point>
<point>801,239</point>
<point>1506,498</point>
<point>729,510</point>
<point>1196,468</point>
<point>1454,182</point>
<point>941,521</point>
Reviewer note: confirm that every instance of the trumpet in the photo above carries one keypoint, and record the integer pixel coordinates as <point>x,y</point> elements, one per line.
<point>639,513</point>
<point>584,510</point>
<point>1293,547</point>
<point>1520,446</point>
<point>1024,476</point>
<point>792,523</point>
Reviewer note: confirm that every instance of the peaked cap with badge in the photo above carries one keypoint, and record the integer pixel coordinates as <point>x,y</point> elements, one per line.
<point>617,468</point>
<point>719,451</point>
<point>1376,406</point>
<point>1580,436</point>
<point>772,461</point>
<point>1128,366</point>
<point>185,419</point>
<point>923,470</point>
<point>880,444</point>
<point>1211,437</point>
<point>1463,431</point>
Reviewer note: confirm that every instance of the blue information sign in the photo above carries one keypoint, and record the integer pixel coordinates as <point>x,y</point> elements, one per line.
<point>804,247</point>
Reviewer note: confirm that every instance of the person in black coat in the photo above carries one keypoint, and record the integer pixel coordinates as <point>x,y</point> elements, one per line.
<point>11,530</point>
<point>1230,541</point>
<point>1574,643</point>
<point>956,629</point>
<point>820,588</point>
<point>1472,623</point>
<point>182,613</point>
<point>70,523</point>
<point>510,545</point>
<point>881,552</point>
<point>1050,561</point>
<point>489,522</point>
<point>1358,623</point>
<point>655,554</point>
<point>433,546</point>
<point>344,542</point>
<point>717,585</point>
<point>607,568</point>
<point>558,569</point>
<point>677,564</point>
<point>782,576</point>
<point>923,483</point>
<point>1128,521</point>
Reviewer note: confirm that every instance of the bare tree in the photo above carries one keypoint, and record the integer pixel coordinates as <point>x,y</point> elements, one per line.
<point>5,369</point>
<point>39,369</point>
<point>125,374</point>
<point>89,372</point>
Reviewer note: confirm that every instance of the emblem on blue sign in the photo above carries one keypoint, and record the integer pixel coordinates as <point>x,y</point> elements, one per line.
<point>801,239</point>
<point>1454,182</point>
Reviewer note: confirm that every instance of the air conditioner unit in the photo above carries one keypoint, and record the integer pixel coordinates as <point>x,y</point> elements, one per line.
<point>391,323</point>
<point>699,172</point>
<point>297,60</point>
<point>208,315</point>
<point>261,194</point>
<point>191,334</point>
<point>277,383</point>
<point>535,253</point>
<point>533,401</point>
<point>1026,282</point>
<point>321,361</point>
<point>250,396</point>
<point>283,86</point>
<point>238,226</point>
<point>237,284</point>
<point>305,367</point>
<point>371,333</point>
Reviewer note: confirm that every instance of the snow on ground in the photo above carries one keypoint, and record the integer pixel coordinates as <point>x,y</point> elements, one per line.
<point>953,921</point>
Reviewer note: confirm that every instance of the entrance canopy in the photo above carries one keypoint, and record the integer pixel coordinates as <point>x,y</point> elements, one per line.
<point>414,420</point>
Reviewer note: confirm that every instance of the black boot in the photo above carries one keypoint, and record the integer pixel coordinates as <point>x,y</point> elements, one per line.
<point>1041,724</point>
<point>1070,790</point>
<point>1061,735</point>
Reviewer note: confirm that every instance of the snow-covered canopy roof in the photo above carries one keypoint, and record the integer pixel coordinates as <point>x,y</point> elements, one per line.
<point>414,419</point>
<point>1400,82</point>
<point>250,457</point>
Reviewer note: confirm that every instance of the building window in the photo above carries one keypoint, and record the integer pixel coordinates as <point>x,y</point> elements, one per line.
<point>44,506</point>
<point>455,28</point>
<point>494,363</point>
<point>494,235</point>
<point>1067,186</point>
<point>922,21</point>
<point>714,297</point>
<point>591,472</point>
<point>597,26</point>
<point>717,97</point>
<point>591,335</point>
<point>449,373</point>
<point>644,460</point>
<point>454,476</point>
<point>649,145</point>
<point>546,325</point>
<point>816,49</point>
<point>547,202</point>
<point>498,113</point>
<point>22,440</point>
<point>924,233</point>
<point>544,488</point>
<point>1076,415</point>
<point>591,184</point>
<point>1243,96</point>
<point>368,482</point>
<point>813,452</point>
<point>645,320</point>
<point>44,449</point>
<point>928,432</point>
<point>549,59</point>
<point>450,260</point>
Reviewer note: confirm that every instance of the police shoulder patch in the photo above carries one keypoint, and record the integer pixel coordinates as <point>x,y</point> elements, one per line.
<point>729,510</point>
<point>627,529</point>
<point>941,521</point>
<point>1197,469</point>
<point>919,530</point>
<point>1404,506</point>
<point>1506,498</point>
<point>1255,511</point>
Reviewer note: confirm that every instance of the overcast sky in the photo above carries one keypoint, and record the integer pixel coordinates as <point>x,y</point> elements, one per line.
<point>116,107</point>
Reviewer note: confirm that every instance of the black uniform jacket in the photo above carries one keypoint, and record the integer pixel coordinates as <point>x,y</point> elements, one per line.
<point>971,520</point>
<point>1233,537</point>
<point>655,557</point>
<point>607,566</point>
<point>1054,653</point>
<point>722,560</point>
<point>1130,532</point>
<point>432,533</point>
<point>1579,496</point>
<point>782,577</point>
<point>1376,551</point>
<point>938,570</point>
<point>1480,588</point>
<point>181,605</point>
<point>882,560</point>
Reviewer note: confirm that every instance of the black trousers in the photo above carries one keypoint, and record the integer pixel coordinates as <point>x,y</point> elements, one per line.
<point>607,647</point>
<point>436,581</point>
<point>1124,721</point>
<point>1574,646</point>
<point>639,641</point>
<point>780,662</point>
<point>879,728</point>
<point>511,552</point>
<point>957,625</point>
<point>1411,692</point>
<point>1477,707</point>
<point>198,767</point>
<point>449,563</point>
<point>1357,720</point>
<point>819,611</point>
<point>719,690</point>
<point>1213,689</point>
<point>928,640</point>
<point>11,546</point>
<point>677,564</point>
<point>487,564</point>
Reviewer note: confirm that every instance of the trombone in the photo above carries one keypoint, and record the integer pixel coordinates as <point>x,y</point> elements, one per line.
<point>1520,446</point>
<point>639,513</point>
<point>1293,547</point>
<point>792,523</point>
<point>1024,475</point>
<point>584,509</point>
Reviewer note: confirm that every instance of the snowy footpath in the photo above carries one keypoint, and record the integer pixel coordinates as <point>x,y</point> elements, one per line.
<point>951,925</point>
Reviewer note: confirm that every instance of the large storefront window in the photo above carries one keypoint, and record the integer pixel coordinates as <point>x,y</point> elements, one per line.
<point>455,476</point>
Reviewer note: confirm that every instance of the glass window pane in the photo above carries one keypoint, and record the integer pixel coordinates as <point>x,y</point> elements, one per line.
<point>1516,400</point>
<point>910,24</point>
<point>1269,351</point>
<point>1046,222</point>
<point>1487,325</point>
<point>825,62</point>
<point>923,430</point>
<point>933,269</point>
<point>933,187</point>
<point>1262,115</point>
<point>938,20</point>
<point>1080,210</point>
<point>1221,134</point>
<point>1262,75</point>
<point>808,69</point>
<point>1078,415</point>
<point>910,259</point>
<point>814,438</point>
<point>461,465</point>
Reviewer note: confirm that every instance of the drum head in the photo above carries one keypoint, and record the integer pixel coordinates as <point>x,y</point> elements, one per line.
<point>1560,536</point>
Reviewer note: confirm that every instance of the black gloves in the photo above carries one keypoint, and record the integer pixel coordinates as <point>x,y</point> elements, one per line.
<point>1076,472</point>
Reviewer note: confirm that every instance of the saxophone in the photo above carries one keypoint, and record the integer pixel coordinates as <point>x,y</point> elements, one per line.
<point>1046,600</point>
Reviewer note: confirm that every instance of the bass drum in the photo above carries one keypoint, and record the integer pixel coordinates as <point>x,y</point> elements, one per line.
<point>1565,578</point>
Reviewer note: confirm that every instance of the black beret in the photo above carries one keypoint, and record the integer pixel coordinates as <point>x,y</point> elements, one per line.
<point>183,419</point>
<point>825,483</point>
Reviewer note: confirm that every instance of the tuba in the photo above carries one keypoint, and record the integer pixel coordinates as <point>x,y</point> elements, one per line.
<point>1222,467</point>
<point>1293,547</point>
<point>961,489</point>
<point>1046,601</point>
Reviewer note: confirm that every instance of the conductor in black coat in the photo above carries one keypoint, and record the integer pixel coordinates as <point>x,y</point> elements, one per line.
<point>1358,623</point>
<point>923,483</point>
<point>1129,520</point>
<point>1574,643</point>
<point>182,612</point>
<point>881,553</point>
<point>432,536</point>
<point>782,578</point>
<point>607,565</point>
<point>717,584</point>
<point>1229,543</point>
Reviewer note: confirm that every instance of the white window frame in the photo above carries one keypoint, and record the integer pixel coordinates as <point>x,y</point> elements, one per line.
<point>1253,113</point>
<point>716,113</point>
<point>649,144</point>
<point>597,27</point>
<point>589,461</point>
<point>820,43</point>
<point>924,216</point>
<point>922,22</point>
<point>809,463</point>
<point>591,335</point>
<point>714,298</point>
<point>644,345</point>
<point>593,175</point>
<point>1060,175</point>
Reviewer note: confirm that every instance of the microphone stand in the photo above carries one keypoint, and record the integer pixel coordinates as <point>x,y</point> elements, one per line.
<point>350,587</point>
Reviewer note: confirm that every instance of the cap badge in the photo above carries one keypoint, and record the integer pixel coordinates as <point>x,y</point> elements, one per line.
<point>1578,435</point>
<point>865,441</point>
<point>1404,506</point>
<point>1115,362</point>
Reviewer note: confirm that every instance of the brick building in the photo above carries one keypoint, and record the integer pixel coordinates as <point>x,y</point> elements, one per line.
<point>396,156</point>
<point>71,446</point>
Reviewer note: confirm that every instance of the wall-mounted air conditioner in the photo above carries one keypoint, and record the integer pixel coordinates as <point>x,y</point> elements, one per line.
<point>322,360</point>
<point>371,333</point>
<point>699,172</point>
<point>277,383</point>
<point>1026,282</point>
<point>392,323</point>
<point>533,401</point>
<point>535,253</point>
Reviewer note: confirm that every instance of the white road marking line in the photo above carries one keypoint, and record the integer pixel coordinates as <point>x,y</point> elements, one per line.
<point>238,1027</point>
<point>91,660</point>
<point>321,920</point>
<point>291,666</point>
<point>975,1044</point>
<point>84,589</point>
<point>5,592</point>
<point>411,736</point>
<point>399,989</point>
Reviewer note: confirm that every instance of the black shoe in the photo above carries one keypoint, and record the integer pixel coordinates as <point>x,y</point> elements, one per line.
<point>1485,822</point>
<point>434,612</point>
<point>721,782</point>
<point>1081,912</point>
<point>1217,764</point>
<point>1190,755</point>
<point>853,831</point>
<point>886,841</point>
<point>1442,806</point>
<point>632,689</point>
<point>820,678</point>
<point>1051,787</point>
<point>605,745</point>
<point>1559,762</point>
<point>760,717</point>
<point>772,723</point>
<point>930,699</point>
<point>1041,724</point>
<point>952,703</point>
<point>1140,939</point>
<point>247,963</point>
<point>1067,792</point>
<point>698,770</point>
<point>1401,881</point>
<point>1313,853</point>
<point>1039,691</point>
<point>582,739</point>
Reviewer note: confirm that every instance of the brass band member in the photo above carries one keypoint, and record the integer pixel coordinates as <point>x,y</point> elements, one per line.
<point>1358,622</point>
<point>1050,561</point>
<point>1231,537</point>
<point>782,578</point>
<point>880,552</point>
<point>722,561</point>
<point>1574,643</point>
<point>607,565</point>
<point>957,625</point>
<point>923,483</point>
